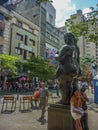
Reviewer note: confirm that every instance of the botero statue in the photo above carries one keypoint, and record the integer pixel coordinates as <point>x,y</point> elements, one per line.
<point>68,67</point>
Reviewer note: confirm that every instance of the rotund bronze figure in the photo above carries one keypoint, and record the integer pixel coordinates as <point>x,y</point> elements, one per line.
<point>68,67</point>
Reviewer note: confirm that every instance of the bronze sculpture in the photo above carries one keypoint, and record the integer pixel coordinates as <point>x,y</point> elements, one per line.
<point>68,67</point>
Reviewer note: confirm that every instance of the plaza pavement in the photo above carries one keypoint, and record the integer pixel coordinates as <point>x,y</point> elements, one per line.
<point>29,120</point>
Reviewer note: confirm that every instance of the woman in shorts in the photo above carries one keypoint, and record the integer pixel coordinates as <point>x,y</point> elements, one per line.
<point>76,103</point>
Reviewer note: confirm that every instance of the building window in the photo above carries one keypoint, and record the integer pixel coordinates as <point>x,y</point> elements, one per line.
<point>26,40</point>
<point>1,16</point>
<point>31,30</point>
<point>6,18</point>
<point>31,54</point>
<point>1,49</point>
<point>1,33</point>
<point>19,37</point>
<point>19,23</point>
<point>31,42</point>
<point>25,55</point>
<point>51,18</point>
<point>2,26</point>
<point>18,51</point>
<point>48,35</point>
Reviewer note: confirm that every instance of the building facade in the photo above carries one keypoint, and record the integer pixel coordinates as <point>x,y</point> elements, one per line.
<point>86,48</point>
<point>20,37</point>
<point>42,15</point>
<point>5,23</point>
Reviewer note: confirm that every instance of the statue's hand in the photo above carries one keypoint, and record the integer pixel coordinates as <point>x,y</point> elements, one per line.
<point>56,56</point>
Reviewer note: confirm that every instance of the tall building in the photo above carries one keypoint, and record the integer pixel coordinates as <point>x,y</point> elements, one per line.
<point>50,13</point>
<point>37,15</point>
<point>18,36</point>
<point>89,48</point>
<point>92,47</point>
<point>5,24</point>
<point>75,19</point>
<point>43,15</point>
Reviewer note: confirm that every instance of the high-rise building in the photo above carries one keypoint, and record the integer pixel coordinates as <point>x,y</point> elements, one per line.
<point>18,36</point>
<point>89,48</point>
<point>5,18</point>
<point>43,15</point>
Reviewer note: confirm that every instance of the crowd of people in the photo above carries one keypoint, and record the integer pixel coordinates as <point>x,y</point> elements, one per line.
<point>78,102</point>
<point>26,85</point>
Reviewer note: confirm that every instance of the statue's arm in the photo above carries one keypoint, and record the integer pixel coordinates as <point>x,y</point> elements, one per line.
<point>65,51</point>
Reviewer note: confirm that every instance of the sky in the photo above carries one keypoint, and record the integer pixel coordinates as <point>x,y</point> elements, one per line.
<point>65,8</point>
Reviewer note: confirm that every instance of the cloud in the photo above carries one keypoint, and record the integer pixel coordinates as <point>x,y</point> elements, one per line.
<point>63,11</point>
<point>86,10</point>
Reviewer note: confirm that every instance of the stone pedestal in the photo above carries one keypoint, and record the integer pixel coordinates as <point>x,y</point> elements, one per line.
<point>59,118</point>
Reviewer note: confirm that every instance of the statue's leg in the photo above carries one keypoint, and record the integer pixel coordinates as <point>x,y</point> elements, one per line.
<point>68,93</point>
<point>63,93</point>
<point>65,88</point>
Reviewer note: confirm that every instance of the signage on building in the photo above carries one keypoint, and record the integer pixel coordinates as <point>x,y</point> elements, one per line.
<point>2,25</point>
<point>22,46</point>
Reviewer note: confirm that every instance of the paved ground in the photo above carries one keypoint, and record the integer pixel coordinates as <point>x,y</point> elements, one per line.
<point>29,120</point>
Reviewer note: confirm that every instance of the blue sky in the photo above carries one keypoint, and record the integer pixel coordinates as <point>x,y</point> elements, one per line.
<point>65,8</point>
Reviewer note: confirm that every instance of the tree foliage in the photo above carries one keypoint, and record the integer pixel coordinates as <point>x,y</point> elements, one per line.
<point>87,28</point>
<point>39,1</point>
<point>85,63</point>
<point>37,67</point>
<point>8,64</point>
<point>87,59</point>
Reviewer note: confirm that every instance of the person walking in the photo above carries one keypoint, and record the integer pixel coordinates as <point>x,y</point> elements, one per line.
<point>36,97</point>
<point>43,97</point>
<point>84,119</point>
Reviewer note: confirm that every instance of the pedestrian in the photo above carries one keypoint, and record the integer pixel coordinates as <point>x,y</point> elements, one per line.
<point>43,96</point>
<point>76,108</point>
<point>92,89</point>
<point>36,97</point>
<point>84,119</point>
<point>57,88</point>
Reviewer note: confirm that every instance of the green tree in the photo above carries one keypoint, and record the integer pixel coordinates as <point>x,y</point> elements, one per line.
<point>7,66</point>
<point>87,28</point>
<point>39,1</point>
<point>87,59</point>
<point>85,63</point>
<point>38,67</point>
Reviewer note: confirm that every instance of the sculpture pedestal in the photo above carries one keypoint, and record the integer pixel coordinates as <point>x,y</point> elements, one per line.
<point>59,118</point>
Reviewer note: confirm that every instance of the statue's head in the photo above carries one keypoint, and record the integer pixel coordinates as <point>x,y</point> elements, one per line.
<point>69,39</point>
